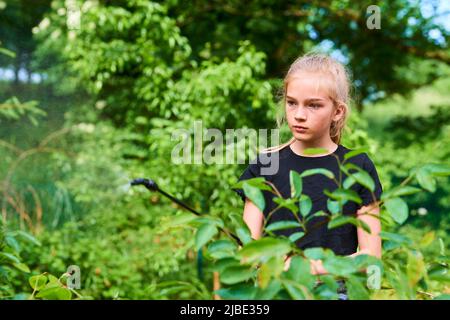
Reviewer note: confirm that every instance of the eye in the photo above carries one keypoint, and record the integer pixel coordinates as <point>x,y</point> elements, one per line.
<point>315,105</point>
<point>290,103</point>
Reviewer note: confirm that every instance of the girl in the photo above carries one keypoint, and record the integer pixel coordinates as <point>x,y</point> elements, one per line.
<point>316,106</point>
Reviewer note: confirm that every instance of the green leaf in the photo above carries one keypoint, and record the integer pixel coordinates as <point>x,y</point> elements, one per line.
<point>443,296</point>
<point>427,239</point>
<point>426,180</point>
<point>398,209</point>
<point>55,292</point>
<point>264,248</point>
<point>22,267</point>
<point>223,244</point>
<point>356,289</point>
<point>415,268</point>
<point>311,172</point>
<point>299,271</point>
<point>37,282</point>
<point>339,265</point>
<point>437,169</point>
<point>255,195</point>
<point>52,279</point>
<point>319,213</point>
<point>366,260</point>
<point>295,183</point>
<point>294,290</point>
<point>290,203</point>
<point>181,219</point>
<point>328,289</point>
<point>236,274</point>
<point>238,292</point>
<point>272,268</point>
<point>258,182</point>
<point>204,234</point>
<point>7,52</point>
<point>355,152</point>
<point>252,181</point>
<point>305,205</point>
<point>394,237</point>
<point>314,253</point>
<point>221,248</point>
<point>295,236</point>
<point>28,237</point>
<point>264,275</point>
<point>270,291</point>
<point>363,178</point>
<point>333,206</point>
<point>10,257</point>
<point>399,192</point>
<point>173,287</point>
<point>439,272</point>
<point>350,166</point>
<point>12,242</point>
<point>341,220</point>
<point>348,182</point>
<point>224,263</point>
<point>344,194</point>
<point>208,220</point>
<point>281,225</point>
<point>244,235</point>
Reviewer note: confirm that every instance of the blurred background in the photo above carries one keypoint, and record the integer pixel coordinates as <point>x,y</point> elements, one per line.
<point>91,91</point>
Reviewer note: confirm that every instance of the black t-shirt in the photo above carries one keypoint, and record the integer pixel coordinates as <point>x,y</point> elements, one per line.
<point>342,240</point>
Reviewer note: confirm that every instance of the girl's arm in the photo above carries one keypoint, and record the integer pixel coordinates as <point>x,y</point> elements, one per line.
<point>369,243</point>
<point>254,219</point>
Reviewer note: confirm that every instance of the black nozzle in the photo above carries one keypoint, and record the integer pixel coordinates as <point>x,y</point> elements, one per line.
<point>148,183</point>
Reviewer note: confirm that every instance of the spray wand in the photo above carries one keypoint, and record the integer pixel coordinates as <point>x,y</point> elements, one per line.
<point>152,186</point>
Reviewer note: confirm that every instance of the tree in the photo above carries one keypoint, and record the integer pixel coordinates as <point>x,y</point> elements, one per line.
<point>379,58</point>
<point>18,20</point>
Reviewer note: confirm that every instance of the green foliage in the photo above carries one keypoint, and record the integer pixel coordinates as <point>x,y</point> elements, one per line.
<point>413,148</point>
<point>48,287</point>
<point>18,20</point>
<point>284,30</point>
<point>119,255</point>
<point>405,269</point>
<point>406,130</point>
<point>13,109</point>
<point>11,261</point>
<point>135,72</point>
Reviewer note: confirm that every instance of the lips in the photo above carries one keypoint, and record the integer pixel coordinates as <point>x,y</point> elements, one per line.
<point>300,129</point>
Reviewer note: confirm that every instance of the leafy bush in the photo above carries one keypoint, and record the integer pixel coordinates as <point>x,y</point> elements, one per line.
<point>255,270</point>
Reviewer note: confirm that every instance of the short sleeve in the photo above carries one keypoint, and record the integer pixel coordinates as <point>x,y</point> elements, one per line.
<point>365,193</point>
<point>252,171</point>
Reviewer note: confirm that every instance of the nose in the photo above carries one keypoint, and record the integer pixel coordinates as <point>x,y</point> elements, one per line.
<point>300,114</point>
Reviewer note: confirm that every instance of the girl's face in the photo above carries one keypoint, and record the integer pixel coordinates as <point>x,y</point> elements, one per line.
<point>310,107</point>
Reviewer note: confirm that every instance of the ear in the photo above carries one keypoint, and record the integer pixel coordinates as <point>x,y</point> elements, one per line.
<point>339,112</point>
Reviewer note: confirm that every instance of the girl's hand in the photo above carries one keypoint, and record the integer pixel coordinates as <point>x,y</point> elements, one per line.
<point>287,263</point>
<point>316,267</point>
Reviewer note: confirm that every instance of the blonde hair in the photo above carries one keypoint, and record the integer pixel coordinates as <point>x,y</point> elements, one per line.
<point>338,85</point>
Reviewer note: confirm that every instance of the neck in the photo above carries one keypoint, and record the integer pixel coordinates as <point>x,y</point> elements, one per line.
<point>299,146</point>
